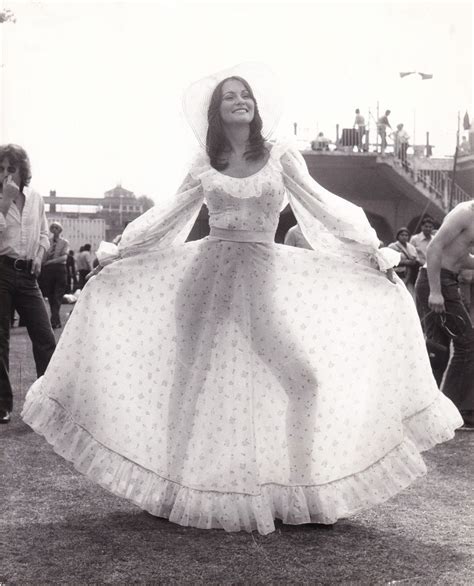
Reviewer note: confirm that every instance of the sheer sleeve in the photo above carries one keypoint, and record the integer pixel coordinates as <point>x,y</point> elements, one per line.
<point>163,225</point>
<point>329,221</point>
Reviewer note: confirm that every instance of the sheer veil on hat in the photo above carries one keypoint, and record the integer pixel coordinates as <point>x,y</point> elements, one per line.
<point>265,86</point>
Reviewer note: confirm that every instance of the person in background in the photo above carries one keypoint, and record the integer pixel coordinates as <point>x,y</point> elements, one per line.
<point>464,147</point>
<point>23,242</point>
<point>382,125</point>
<point>421,240</point>
<point>401,142</point>
<point>53,281</point>
<point>72,283</point>
<point>466,287</point>
<point>359,124</point>
<point>84,264</point>
<point>320,143</point>
<point>443,314</point>
<point>407,267</point>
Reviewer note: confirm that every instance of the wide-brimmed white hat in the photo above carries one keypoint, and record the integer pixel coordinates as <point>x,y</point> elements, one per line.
<point>265,87</point>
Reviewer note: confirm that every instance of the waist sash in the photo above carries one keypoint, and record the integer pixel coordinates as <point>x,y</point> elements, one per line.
<point>241,235</point>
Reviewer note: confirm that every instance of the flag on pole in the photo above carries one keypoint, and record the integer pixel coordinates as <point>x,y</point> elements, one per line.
<point>466,123</point>
<point>422,75</point>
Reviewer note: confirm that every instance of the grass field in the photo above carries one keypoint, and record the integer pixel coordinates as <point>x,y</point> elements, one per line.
<point>56,527</point>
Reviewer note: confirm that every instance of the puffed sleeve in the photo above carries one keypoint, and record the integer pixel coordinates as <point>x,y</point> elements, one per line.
<point>163,225</point>
<point>329,221</point>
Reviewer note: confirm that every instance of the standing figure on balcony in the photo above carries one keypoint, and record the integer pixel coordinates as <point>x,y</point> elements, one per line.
<point>382,125</point>
<point>400,144</point>
<point>359,124</point>
<point>464,147</point>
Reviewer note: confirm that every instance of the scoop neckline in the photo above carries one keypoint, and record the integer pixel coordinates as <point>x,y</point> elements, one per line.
<point>252,174</point>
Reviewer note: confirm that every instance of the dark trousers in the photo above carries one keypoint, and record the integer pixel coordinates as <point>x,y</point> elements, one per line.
<point>19,290</point>
<point>360,138</point>
<point>82,278</point>
<point>53,286</point>
<point>71,280</point>
<point>458,382</point>
<point>403,154</point>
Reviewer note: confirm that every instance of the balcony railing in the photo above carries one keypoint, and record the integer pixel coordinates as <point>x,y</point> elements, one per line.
<point>437,182</point>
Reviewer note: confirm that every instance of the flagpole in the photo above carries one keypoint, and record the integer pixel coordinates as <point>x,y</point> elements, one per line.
<point>455,164</point>
<point>377,129</point>
<point>459,129</point>
<point>423,77</point>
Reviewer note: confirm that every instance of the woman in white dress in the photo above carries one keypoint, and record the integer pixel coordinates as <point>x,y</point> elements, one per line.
<point>232,381</point>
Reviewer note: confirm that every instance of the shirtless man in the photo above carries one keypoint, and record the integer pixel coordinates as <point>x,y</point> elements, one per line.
<point>444,316</point>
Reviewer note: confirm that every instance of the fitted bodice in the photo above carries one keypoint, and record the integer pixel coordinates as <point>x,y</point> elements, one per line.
<point>251,203</point>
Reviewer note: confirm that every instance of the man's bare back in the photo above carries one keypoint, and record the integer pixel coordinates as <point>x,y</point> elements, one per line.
<point>450,249</point>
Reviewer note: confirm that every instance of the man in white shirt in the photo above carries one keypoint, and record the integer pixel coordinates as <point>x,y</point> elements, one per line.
<point>382,125</point>
<point>53,274</point>
<point>23,242</point>
<point>401,140</point>
<point>420,241</point>
<point>359,123</point>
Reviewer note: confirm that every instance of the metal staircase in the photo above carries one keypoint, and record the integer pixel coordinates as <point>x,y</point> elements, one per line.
<point>434,184</point>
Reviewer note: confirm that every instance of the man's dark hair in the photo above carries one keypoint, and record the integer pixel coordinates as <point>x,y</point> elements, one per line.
<point>86,247</point>
<point>426,220</point>
<point>17,156</point>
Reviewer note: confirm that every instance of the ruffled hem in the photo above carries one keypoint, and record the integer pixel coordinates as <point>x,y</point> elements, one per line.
<point>236,511</point>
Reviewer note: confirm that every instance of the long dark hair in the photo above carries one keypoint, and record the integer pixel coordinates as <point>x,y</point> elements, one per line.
<point>17,156</point>
<point>217,143</point>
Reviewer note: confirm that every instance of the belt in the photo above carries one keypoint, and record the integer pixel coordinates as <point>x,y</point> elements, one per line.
<point>241,235</point>
<point>443,273</point>
<point>18,264</point>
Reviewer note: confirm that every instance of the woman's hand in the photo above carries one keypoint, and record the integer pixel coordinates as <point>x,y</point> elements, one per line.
<point>390,274</point>
<point>94,272</point>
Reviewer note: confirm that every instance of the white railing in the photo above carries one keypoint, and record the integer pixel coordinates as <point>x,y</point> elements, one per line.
<point>437,182</point>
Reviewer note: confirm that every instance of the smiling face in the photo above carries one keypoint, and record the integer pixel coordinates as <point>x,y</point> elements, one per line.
<point>427,228</point>
<point>237,105</point>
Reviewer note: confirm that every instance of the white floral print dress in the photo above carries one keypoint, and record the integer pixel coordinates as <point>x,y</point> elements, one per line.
<point>232,381</point>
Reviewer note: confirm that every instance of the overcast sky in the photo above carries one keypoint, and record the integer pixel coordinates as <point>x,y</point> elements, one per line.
<point>93,89</point>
